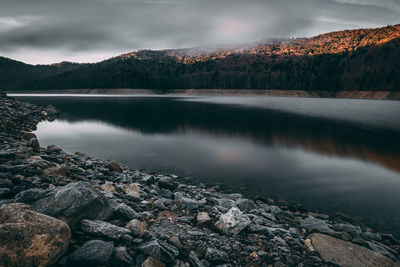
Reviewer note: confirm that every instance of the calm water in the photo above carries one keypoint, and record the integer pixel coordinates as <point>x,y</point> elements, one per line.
<point>328,155</point>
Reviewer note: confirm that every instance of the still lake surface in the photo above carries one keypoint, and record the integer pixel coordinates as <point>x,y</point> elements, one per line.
<point>329,155</point>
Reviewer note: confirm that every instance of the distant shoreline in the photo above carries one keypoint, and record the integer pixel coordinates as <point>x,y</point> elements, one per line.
<point>379,95</point>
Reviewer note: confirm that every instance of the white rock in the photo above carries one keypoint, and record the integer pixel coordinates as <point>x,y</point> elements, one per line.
<point>234,221</point>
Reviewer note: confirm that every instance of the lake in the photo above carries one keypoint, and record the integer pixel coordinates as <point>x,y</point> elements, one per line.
<point>329,155</point>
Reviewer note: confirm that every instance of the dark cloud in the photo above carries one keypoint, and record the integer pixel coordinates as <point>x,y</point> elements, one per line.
<point>44,31</point>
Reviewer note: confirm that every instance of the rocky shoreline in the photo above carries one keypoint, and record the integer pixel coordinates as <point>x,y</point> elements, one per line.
<point>58,209</point>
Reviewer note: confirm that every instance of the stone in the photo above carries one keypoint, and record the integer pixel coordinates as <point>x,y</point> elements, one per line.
<point>202,218</point>
<point>152,262</point>
<point>122,257</point>
<point>108,187</point>
<point>113,166</point>
<point>346,254</point>
<point>136,227</point>
<point>28,136</point>
<point>160,250</point>
<point>34,144</point>
<point>313,224</point>
<point>74,202</point>
<point>123,210</point>
<point>216,256</point>
<point>371,236</point>
<point>189,203</point>
<point>103,229</point>
<point>355,231</point>
<point>132,190</point>
<point>29,238</point>
<point>167,215</point>
<point>194,260</point>
<point>245,205</point>
<point>31,195</point>
<point>233,222</point>
<point>92,253</point>
<point>59,170</point>
<point>167,182</point>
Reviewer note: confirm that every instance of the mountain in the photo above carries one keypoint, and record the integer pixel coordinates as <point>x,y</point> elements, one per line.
<point>362,59</point>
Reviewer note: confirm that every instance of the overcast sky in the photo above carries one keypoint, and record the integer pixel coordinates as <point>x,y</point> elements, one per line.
<point>48,31</point>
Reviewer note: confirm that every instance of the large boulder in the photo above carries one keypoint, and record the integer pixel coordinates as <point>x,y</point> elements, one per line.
<point>74,202</point>
<point>29,238</point>
<point>346,254</point>
<point>233,222</point>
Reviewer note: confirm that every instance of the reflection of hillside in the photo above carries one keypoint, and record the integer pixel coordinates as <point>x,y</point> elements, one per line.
<point>164,115</point>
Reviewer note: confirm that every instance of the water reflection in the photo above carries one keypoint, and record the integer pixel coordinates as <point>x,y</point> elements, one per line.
<point>324,164</point>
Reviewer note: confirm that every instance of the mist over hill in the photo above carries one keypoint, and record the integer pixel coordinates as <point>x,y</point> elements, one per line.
<point>362,59</point>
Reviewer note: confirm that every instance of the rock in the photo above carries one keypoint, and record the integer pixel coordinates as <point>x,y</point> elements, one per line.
<point>31,195</point>
<point>371,236</point>
<point>113,166</point>
<point>313,224</point>
<point>194,260</point>
<point>73,202</point>
<point>108,187</point>
<point>34,144</point>
<point>346,254</point>
<point>132,190</point>
<point>28,136</point>
<point>160,250</point>
<point>123,210</point>
<point>167,182</point>
<point>167,215</point>
<point>245,205</point>
<point>355,231</point>
<point>29,238</point>
<point>152,262</point>
<point>234,221</point>
<point>92,253</point>
<point>159,204</point>
<point>103,229</point>
<point>202,218</point>
<point>59,170</point>
<point>190,204</point>
<point>216,256</point>
<point>226,203</point>
<point>122,257</point>
<point>136,227</point>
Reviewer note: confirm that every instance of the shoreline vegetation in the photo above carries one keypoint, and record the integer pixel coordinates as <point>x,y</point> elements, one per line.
<point>378,95</point>
<point>64,209</point>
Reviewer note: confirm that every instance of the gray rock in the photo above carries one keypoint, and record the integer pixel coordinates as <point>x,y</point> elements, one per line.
<point>31,195</point>
<point>202,217</point>
<point>245,205</point>
<point>123,210</point>
<point>190,204</point>
<point>136,226</point>
<point>167,182</point>
<point>159,204</point>
<point>216,256</point>
<point>103,229</point>
<point>92,253</point>
<point>194,260</point>
<point>226,203</point>
<point>355,231</point>
<point>160,250</point>
<point>73,202</point>
<point>313,224</point>
<point>233,222</point>
<point>121,257</point>
<point>371,236</point>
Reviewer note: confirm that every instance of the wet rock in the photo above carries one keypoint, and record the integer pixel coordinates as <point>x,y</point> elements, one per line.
<point>132,190</point>
<point>34,144</point>
<point>73,202</point>
<point>160,250</point>
<point>216,256</point>
<point>113,166</point>
<point>194,260</point>
<point>313,224</point>
<point>29,238</point>
<point>245,205</point>
<point>233,222</point>
<point>167,182</point>
<point>121,257</point>
<point>355,231</point>
<point>136,227</point>
<point>103,229</point>
<point>152,262</point>
<point>202,218</point>
<point>92,253</point>
<point>190,204</point>
<point>346,254</point>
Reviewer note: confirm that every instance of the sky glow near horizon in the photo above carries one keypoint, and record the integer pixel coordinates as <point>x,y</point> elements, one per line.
<point>49,31</point>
